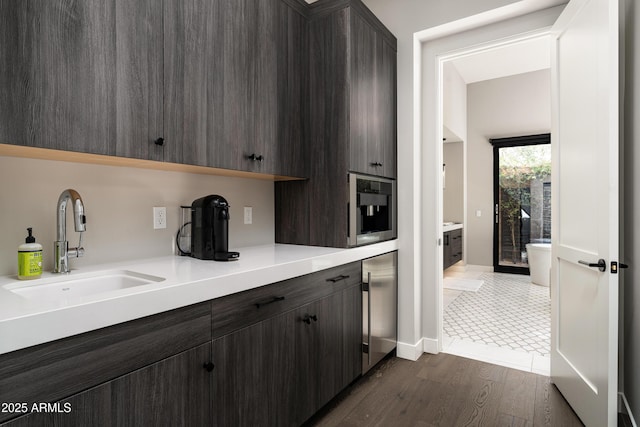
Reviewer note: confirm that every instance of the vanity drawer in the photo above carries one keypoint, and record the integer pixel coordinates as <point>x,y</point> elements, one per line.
<point>239,310</point>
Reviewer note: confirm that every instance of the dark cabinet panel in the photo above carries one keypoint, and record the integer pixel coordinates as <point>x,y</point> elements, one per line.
<point>174,392</point>
<point>192,65</point>
<point>386,108</point>
<point>327,194</point>
<point>51,371</point>
<point>253,375</point>
<point>245,308</point>
<point>373,101</point>
<point>250,86</point>
<point>220,83</point>
<point>352,121</point>
<point>139,79</point>
<point>281,370</point>
<point>364,138</point>
<point>57,75</point>
<point>290,145</point>
<point>452,248</point>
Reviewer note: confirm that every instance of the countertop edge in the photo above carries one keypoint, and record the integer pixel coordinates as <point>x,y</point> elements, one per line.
<point>36,328</point>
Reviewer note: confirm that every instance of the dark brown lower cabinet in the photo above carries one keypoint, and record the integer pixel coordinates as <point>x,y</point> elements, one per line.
<point>174,391</point>
<point>282,370</point>
<point>268,356</point>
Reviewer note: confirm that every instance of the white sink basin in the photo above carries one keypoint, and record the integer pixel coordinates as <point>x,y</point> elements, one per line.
<point>81,284</point>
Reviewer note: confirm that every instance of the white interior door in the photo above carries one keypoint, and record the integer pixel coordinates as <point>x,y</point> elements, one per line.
<point>585,141</point>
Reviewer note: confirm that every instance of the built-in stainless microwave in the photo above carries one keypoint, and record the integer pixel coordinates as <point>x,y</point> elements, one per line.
<point>372,209</point>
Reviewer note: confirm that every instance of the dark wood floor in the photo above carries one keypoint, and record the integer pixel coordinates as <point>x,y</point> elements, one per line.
<point>446,390</point>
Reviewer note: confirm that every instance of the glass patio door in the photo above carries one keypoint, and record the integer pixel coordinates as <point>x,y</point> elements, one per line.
<point>522,199</point>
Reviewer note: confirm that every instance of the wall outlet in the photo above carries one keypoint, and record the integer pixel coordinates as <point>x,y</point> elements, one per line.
<point>248,215</point>
<point>159,217</point>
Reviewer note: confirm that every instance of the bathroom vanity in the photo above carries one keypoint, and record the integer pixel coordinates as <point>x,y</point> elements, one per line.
<point>452,244</point>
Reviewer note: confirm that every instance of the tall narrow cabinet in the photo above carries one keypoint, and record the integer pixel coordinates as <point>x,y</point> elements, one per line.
<point>352,121</point>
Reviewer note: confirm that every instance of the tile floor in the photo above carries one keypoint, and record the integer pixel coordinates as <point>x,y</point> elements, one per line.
<point>507,322</point>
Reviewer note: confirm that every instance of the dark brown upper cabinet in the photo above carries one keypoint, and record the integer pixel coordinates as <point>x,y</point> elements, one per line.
<point>209,83</point>
<point>352,121</point>
<point>359,55</point>
<point>57,75</point>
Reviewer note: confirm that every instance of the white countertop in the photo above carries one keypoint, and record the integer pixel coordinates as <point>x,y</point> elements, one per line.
<point>25,322</point>
<point>451,227</point>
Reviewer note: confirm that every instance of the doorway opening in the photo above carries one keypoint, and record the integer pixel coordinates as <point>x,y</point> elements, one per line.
<point>489,315</point>
<point>522,200</point>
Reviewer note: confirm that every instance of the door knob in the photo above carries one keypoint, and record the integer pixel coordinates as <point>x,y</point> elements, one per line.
<point>600,265</point>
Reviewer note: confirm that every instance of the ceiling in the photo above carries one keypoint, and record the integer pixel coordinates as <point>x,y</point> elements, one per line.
<point>518,58</point>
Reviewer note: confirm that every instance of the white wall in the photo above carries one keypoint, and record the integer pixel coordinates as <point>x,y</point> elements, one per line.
<point>454,104</point>
<point>510,106</point>
<point>453,191</point>
<point>118,203</point>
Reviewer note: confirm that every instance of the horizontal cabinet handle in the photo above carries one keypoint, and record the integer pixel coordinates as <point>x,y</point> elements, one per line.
<point>338,278</point>
<point>376,164</point>
<point>271,301</point>
<point>309,317</point>
<point>255,158</point>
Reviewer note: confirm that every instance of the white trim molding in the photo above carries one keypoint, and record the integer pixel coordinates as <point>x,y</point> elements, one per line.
<point>409,351</point>
<point>430,345</point>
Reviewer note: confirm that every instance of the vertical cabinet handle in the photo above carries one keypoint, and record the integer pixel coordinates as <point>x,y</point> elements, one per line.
<point>368,287</point>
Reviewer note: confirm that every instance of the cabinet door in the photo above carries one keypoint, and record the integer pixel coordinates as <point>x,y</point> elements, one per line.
<point>174,391</point>
<point>139,80</point>
<point>386,108</point>
<point>192,81</point>
<point>289,151</point>
<point>363,143</point>
<point>319,354</point>
<point>249,90</point>
<point>57,74</point>
<point>253,376</point>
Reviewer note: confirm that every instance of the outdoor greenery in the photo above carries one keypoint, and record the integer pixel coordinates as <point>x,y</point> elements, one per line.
<point>519,167</point>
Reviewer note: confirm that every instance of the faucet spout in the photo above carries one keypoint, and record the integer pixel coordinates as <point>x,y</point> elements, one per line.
<point>61,246</point>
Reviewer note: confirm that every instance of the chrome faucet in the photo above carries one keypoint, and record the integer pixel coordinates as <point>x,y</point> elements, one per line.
<point>61,246</point>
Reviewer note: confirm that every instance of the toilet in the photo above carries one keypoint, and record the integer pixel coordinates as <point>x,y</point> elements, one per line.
<point>539,255</point>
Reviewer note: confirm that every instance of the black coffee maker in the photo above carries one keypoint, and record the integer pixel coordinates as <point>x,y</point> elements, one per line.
<point>210,229</point>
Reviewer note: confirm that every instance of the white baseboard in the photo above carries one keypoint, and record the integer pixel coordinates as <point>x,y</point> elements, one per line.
<point>430,345</point>
<point>625,403</point>
<point>409,351</point>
